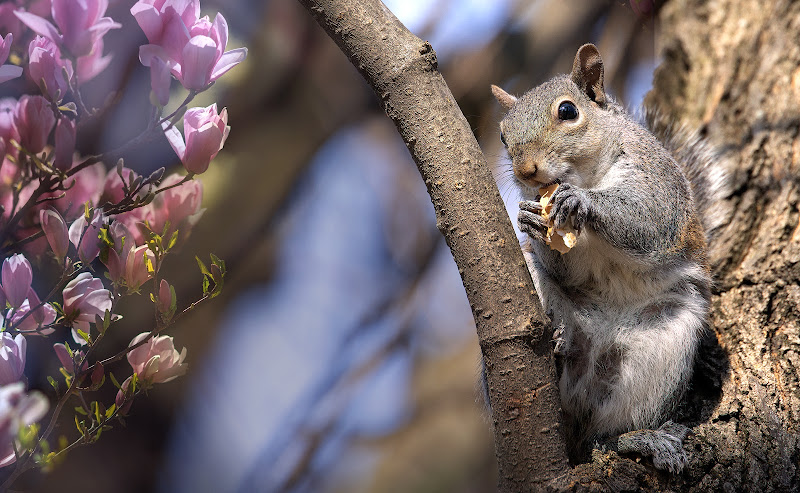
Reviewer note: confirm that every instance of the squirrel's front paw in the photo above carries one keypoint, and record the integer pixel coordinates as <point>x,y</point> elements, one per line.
<point>570,201</point>
<point>530,219</point>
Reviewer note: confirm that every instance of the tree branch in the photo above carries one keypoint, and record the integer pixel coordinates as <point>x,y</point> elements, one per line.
<point>402,70</point>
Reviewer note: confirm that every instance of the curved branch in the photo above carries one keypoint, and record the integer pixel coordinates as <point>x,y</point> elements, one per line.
<point>402,70</point>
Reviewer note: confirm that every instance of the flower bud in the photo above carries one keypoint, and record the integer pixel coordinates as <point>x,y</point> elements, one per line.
<point>55,229</point>
<point>12,358</point>
<point>34,119</point>
<point>65,143</point>
<point>17,277</point>
<point>166,297</point>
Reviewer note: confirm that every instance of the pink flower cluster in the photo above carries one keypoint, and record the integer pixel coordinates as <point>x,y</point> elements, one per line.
<point>77,35</point>
<point>190,47</point>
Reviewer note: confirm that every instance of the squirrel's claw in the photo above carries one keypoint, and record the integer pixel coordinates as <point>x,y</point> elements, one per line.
<point>570,201</point>
<point>530,221</point>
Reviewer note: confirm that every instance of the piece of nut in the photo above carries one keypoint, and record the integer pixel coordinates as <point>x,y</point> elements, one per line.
<point>561,240</point>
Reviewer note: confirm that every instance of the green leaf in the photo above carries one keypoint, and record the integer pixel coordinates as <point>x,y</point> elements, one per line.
<point>80,410</point>
<point>202,266</point>
<point>218,262</point>
<point>206,284</point>
<point>53,383</point>
<point>80,426</point>
<point>114,380</point>
<point>110,411</point>
<point>172,240</point>
<point>84,335</point>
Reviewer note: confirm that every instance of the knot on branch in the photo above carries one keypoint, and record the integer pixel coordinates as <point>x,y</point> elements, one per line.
<point>429,55</point>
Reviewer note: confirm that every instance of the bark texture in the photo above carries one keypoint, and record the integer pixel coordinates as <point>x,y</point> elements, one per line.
<point>732,69</point>
<point>402,70</point>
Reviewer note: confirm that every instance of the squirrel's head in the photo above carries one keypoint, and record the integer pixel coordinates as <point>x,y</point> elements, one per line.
<point>554,133</point>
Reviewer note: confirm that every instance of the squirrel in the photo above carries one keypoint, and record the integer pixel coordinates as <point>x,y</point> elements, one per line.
<point>630,301</point>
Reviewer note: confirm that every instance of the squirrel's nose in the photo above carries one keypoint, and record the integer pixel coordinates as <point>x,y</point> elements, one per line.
<point>526,171</point>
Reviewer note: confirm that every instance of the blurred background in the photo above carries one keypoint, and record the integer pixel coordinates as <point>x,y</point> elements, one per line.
<point>342,355</point>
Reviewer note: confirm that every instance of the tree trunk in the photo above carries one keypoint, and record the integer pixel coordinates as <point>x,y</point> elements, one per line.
<point>731,69</point>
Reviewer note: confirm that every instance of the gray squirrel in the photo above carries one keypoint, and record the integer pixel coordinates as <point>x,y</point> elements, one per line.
<point>629,302</point>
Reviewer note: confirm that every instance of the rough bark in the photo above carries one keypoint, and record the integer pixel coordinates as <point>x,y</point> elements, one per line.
<point>402,70</point>
<point>732,68</point>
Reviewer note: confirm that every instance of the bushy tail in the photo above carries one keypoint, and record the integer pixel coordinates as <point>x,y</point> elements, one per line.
<point>704,165</point>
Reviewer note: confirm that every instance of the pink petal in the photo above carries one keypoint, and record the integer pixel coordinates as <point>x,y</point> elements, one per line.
<point>70,16</point>
<point>199,57</point>
<point>5,47</point>
<point>160,80</point>
<point>39,25</point>
<point>175,139</point>
<point>8,72</point>
<point>219,33</point>
<point>227,61</point>
<point>149,20</point>
<point>175,35</point>
<point>148,52</point>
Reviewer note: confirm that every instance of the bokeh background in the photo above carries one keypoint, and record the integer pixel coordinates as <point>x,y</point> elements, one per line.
<point>342,355</point>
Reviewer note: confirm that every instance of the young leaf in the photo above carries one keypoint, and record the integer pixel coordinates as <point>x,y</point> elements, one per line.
<point>114,380</point>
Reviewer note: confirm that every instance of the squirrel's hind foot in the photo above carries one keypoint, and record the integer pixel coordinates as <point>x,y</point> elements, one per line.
<point>664,445</point>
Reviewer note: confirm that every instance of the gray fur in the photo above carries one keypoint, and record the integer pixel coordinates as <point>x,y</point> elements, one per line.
<point>629,302</point>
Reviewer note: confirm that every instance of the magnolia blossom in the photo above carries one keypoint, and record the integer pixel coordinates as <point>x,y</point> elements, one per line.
<point>17,409</point>
<point>180,206</point>
<point>46,68</point>
<point>42,315</point>
<point>85,298</point>
<point>17,277</point>
<point>7,72</point>
<point>206,132</point>
<point>156,361</point>
<point>136,272</point>
<point>34,120</point>
<point>193,48</point>
<point>86,238</point>
<point>12,358</point>
<point>126,262</point>
<point>80,24</point>
<point>55,229</point>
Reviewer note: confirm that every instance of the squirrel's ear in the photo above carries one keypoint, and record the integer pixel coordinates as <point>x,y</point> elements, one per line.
<point>587,73</point>
<point>505,99</point>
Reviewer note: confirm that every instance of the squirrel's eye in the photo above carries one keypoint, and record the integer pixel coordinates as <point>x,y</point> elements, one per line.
<point>503,139</point>
<point>567,111</point>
